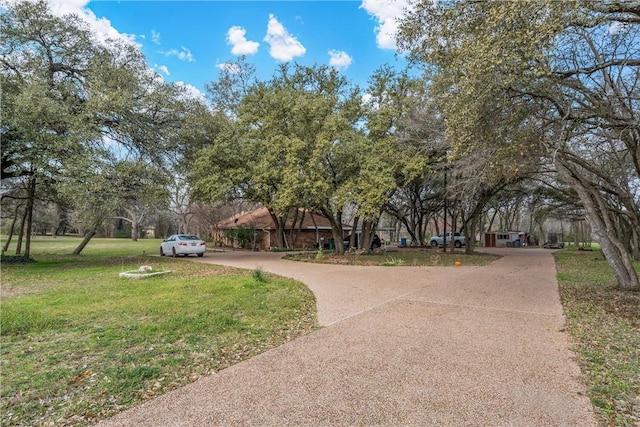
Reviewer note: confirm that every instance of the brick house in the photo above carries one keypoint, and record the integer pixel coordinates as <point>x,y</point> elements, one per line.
<point>304,231</point>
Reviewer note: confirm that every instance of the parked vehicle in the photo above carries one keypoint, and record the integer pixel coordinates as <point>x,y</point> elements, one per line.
<point>182,244</point>
<point>458,240</point>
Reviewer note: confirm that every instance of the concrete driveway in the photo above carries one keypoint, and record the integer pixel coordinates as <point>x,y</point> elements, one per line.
<point>400,346</point>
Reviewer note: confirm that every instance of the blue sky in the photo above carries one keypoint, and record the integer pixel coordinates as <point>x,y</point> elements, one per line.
<point>188,41</point>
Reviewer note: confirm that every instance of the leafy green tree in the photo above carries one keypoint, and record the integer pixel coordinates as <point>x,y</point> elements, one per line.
<point>404,115</point>
<point>71,103</point>
<point>569,69</point>
<point>387,160</point>
<point>44,60</point>
<point>290,146</point>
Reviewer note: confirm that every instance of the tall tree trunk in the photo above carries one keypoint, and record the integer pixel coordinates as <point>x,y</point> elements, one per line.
<point>367,227</point>
<point>604,230</point>
<point>293,227</point>
<point>85,241</point>
<point>134,230</point>
<point>470,225</point>
<point>470,238</point>
<point>279,224</point>
<point>29,222</point>
<point>354,231</point>
<point>23,224</point>
<point>5,247</point>
<point>337,231</point>
<point>298,231</point>
<point>338,239</point>
<point>454,225</point>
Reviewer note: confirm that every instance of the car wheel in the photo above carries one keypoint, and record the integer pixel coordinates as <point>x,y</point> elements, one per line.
<point>433,243</point>
<point>173,252</point>
<point>457,244</point>
<point>201,255</point>
<point>161,251</point>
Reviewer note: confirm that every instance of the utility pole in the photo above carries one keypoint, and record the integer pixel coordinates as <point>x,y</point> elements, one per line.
<point>444,236</point>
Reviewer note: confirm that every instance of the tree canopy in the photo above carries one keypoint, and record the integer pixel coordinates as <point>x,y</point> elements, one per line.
<point>559,79</point>
<point>72,106</point>
<point>512,95</point>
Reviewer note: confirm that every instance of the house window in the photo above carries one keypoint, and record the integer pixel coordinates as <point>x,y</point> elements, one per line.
<point>502,237</point>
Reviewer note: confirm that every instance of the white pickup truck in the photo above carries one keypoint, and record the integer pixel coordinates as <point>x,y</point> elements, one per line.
<point>458,240</point>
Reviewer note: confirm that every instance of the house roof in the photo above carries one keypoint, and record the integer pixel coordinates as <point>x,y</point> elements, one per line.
<point>261,219</point>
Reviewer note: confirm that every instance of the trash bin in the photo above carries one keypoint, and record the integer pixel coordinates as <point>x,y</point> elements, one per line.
<point>403,242</point>
<point>509,244</point>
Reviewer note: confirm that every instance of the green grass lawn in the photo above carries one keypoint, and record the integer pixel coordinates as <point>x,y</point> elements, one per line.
<point>605,325</point>
<point>80,344</point>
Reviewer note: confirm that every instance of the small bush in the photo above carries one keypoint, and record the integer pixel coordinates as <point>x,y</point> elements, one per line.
<point>15,259</point>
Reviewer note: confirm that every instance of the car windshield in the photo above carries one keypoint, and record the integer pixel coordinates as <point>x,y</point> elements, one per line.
<point>189,237</point>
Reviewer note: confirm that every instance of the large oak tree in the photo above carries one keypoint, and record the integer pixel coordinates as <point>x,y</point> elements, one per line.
<point>568,69</point>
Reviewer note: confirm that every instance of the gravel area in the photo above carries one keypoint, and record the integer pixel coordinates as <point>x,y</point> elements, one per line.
<point>400,346</point>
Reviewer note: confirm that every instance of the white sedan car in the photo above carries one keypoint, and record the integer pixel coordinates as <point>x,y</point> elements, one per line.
<point>182,244</point>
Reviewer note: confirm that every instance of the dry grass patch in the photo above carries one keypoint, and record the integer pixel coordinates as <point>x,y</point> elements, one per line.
<point>605,325</point>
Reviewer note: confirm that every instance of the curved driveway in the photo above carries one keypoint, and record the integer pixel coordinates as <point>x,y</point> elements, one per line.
<point>400,346</point>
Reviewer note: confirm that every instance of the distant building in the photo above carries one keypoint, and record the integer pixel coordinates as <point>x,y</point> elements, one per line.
<point>502,239</point>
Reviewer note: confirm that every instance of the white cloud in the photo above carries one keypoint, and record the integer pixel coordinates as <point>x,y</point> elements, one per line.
<point>366,98</point>
<point>155,37</point>
<point>284,47</point>
<point>386,12</point>
<point>191,92</point>
<point>183,54</point>
<point>241,46</point>
<point>101,27</point>
<point>339,59</point>
<point>164,69</point>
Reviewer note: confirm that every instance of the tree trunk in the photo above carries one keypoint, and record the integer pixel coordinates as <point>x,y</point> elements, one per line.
<point>298,230</point>
<point>470,236</point>
<point>415,240</point>
<point>5,247</point>
<point>619,261</point>
<point>295,227</point>
<point>336,229</point>
<point>29,222</point>
<point>367,227</point>
<point>604,230</point>
<point>134,230</point>
<point>23,223</point>
<point>279,224</point>
<point>338,236</point>
<point>454,225</point>
<point>354,232</point>
<point>85,241</point>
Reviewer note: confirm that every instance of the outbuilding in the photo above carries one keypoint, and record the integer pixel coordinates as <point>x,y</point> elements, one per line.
<point>504,239</point>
